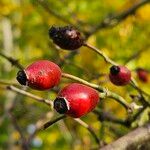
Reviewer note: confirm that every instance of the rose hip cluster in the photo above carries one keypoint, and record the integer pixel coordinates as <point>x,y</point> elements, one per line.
<point>75,99</point>
<point>70,39</point>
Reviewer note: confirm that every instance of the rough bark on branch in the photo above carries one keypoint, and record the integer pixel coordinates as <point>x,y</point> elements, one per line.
<point>139,139</point>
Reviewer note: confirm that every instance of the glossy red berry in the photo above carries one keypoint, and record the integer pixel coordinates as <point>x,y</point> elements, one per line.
<point>66,37</point>
<point>40,75</point>
<point>142,74</point>
<point>76,100</point>
<point>119,75</point>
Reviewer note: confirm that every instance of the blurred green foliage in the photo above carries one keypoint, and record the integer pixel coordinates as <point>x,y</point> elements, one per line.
<point>24,26</point>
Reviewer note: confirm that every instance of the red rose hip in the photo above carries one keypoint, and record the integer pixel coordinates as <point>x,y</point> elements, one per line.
<point>76,100</point>
<point>40,75</point>
<point>119,75</point>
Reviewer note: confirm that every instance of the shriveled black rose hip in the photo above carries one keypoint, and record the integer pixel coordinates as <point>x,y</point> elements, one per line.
<point>66,37</point>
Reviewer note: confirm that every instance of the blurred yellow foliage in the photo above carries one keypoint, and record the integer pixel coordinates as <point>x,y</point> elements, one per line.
<point>143,13</point>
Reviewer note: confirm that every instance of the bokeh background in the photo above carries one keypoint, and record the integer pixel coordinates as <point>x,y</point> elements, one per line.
<point>24,26</point>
